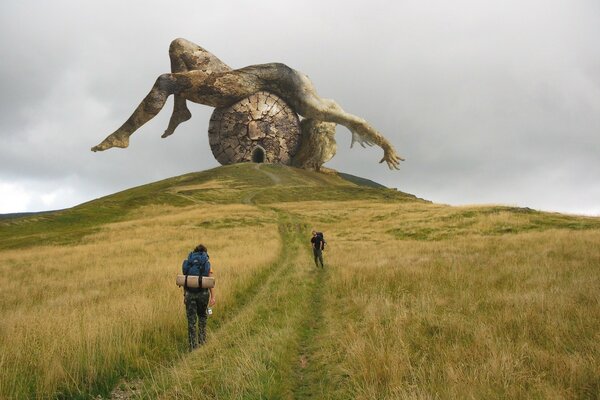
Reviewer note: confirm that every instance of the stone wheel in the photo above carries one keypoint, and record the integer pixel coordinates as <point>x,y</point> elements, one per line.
<point>259,128</point>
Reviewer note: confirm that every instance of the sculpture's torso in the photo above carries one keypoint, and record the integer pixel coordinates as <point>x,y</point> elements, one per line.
<point>226,88</point>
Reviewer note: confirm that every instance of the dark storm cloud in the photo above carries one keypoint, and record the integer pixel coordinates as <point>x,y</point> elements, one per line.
<point>489,101</point>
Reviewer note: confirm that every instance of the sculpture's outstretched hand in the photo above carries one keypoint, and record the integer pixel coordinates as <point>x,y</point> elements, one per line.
<point>391,157</point>
<point>370,137</point>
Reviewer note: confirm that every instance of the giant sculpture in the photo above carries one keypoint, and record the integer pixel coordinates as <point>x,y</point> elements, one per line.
<point>255,117</point>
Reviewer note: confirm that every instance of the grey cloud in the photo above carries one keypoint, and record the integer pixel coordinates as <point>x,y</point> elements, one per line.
<point>488,101</point>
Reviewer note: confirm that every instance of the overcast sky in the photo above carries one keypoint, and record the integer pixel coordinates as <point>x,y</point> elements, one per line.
<point>488,101</point>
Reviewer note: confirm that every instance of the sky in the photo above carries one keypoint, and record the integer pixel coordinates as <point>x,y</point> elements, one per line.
<point>490,102</point>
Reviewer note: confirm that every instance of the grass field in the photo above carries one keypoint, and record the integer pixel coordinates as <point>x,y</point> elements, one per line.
<point>417,300</point>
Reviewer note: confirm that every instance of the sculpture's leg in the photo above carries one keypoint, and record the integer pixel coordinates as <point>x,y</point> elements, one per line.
<point>165,85</point>
<point>310,105</point>
<point>180,114</point>
<point>187,56</point>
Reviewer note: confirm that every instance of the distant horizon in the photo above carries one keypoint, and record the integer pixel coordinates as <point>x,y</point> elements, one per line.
<point>17,213</point>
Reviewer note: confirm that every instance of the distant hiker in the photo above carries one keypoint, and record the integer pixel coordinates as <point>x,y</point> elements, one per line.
<point>318,245</point>
<point>196,300</point>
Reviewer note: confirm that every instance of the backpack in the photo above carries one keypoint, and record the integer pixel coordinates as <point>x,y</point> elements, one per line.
<point>320,235</point>
<point>196,264</point>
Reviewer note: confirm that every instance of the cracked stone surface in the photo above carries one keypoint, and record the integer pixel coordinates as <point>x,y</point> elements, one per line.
<point>261,122</point>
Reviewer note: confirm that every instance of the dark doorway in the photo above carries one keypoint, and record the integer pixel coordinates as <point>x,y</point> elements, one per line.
<point>258,155</point>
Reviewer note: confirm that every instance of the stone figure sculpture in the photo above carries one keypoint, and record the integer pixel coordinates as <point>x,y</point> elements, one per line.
<point>199,76</point>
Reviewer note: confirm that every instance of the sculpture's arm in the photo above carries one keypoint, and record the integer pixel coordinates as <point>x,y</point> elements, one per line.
<point>297,89</point>
<point>364,134</point>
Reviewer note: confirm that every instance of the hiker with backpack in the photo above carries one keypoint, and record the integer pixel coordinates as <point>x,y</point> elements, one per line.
<point>197,300</point>
<point>318,245</point>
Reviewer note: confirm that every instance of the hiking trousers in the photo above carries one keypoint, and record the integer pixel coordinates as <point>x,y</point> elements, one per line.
<point>195,310</point>
<point>318,256</point>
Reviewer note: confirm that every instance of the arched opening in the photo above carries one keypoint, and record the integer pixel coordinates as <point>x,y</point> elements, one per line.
<point>258,155</point>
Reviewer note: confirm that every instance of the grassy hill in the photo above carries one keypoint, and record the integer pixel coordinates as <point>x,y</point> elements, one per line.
<point>417,300</point>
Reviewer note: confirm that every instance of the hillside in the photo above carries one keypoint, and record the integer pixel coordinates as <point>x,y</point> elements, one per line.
<point>417,300</point>
<point>239,183</point>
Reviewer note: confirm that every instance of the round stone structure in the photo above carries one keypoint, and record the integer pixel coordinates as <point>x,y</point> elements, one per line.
<point>259,128</point>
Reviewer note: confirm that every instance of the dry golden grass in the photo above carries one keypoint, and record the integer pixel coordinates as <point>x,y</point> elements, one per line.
<point>417,301</point>
<point>478,315</point>
<point>73,317</point>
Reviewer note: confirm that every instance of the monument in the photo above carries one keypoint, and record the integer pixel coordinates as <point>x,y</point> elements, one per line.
<point>256,112</point>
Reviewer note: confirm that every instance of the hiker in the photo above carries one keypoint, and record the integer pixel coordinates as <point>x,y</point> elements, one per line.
<point>318,245</point>
<point>197,300</point>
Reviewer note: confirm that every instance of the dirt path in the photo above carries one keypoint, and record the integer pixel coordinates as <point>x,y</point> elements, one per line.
<point>249,197</point>
<point>307,374</point>
<point>304,374</point>
<point>276,179</point>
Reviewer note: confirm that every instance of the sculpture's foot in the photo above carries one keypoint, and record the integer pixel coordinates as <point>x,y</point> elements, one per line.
<point>114,140</point>
<point>176,119</point>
